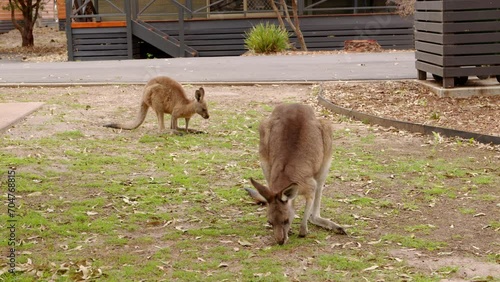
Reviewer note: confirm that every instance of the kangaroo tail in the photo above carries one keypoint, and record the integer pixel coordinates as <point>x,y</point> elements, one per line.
<point>132,125</point>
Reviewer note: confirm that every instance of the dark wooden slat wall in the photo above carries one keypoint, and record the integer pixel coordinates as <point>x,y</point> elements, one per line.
<point>6,26</point>
<point>90,44</point>
<point>211,38</point>
<point>226,37</point>
<point>457,38</point>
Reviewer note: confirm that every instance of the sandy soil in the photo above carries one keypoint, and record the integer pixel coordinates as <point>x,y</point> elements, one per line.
<point>50,46</point>
<point>87,112</point>
<point>411,101</point>
<point>394,99</point>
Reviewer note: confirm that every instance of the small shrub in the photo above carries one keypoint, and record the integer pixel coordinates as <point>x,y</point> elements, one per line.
<point>405,8</point>
<point>267,38</point>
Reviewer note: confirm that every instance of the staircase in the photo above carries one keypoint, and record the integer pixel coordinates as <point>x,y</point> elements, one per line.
<point>161,40</point>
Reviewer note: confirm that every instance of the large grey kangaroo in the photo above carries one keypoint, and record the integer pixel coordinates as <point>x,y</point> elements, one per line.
<point>295,153</point>
<point>165,95</point>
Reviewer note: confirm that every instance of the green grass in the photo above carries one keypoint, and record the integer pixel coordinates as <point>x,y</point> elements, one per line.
<point>420,228</point>
<point>467,211</point>
<point>341,262</point>
<point>413,242</point>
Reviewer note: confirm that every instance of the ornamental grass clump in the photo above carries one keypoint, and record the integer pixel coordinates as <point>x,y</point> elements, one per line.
<point>267,38</point>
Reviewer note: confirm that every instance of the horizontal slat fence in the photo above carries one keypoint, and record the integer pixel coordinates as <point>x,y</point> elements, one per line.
<point>226,37</point>
<point>104,43</point>
<point>6,26</point>
<point>457,39</point>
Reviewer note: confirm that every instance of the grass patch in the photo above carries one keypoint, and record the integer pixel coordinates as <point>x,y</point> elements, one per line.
<point>467,211</point>
<point>141,205</point>
<point>421,228</point>
<point>413,242</point>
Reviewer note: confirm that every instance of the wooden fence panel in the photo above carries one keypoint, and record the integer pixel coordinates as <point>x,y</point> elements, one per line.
<point>320,33</point>
<point>457,38</point>
<point>226,37</point>
<point>99,43</point>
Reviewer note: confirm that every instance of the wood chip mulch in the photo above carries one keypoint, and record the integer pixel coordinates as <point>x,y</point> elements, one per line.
<point>410,101</point>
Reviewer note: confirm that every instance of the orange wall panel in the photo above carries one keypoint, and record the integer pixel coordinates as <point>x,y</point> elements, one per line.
<point>4,14</point>
<point>48,11</point>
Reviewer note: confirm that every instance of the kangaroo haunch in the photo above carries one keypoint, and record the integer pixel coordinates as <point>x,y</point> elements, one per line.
<point>295,154</point>
<point>165,95</point>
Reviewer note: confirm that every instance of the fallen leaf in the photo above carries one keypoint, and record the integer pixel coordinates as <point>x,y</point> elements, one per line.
<point>77,248</point>
<point>244,243</point>
<point>182,229</point>
<point>85,272</point>
<point>129,201</point>
<point>370,268</point>
<point>34,194</point>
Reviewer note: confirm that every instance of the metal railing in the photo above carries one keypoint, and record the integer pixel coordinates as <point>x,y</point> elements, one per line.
<point>249,8</point>
<point>88,10</point>
<point>180,10</point>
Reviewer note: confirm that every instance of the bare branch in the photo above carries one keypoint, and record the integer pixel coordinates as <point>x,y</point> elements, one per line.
<point>295,26</point>
<point>13,5</point>
<point>298,32</point>
<point>278,14</point>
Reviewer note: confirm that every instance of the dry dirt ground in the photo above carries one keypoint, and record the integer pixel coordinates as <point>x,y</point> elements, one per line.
<point>407,100</point>
<point>413,102</point>
<point>470,238</point>
<point>50,46</point>
<point>403,100</point>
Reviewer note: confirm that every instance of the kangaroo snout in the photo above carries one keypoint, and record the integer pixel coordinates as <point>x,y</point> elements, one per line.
<point>281,235</point>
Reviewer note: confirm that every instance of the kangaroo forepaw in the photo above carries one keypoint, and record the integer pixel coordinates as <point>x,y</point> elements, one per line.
<point>339,230</point>
<point>303,232</point>
<point>177,132</point>
<point>194,131</point>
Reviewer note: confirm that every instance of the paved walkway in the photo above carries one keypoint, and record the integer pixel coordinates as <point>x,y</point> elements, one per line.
<point>11,113</point>
<point>254,69</point>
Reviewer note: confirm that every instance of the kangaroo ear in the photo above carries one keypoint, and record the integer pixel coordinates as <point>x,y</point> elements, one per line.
<point>263,192</point>
<point>256,196</point>
<point>199,94</point>
<point>289,193</point>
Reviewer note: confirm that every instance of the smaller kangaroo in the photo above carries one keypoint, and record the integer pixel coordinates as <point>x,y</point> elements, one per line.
<point>165,95</point>
<point>295,154</point>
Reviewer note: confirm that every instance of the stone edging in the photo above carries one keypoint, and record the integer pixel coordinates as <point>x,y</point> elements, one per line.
<point>403,125</point>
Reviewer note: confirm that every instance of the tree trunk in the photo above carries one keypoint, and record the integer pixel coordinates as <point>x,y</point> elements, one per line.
<point>27,35</point>
<point>30,14</point>
<point>295,26</point>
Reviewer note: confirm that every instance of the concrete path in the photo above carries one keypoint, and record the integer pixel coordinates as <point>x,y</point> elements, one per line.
<point>253,69</point>
<point>11,113</point>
